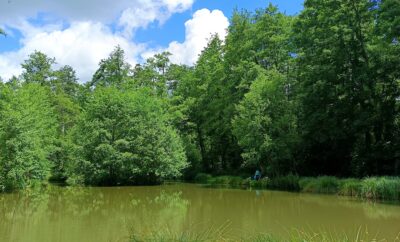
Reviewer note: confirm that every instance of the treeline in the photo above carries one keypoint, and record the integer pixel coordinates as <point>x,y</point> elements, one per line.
<point>115,130</point>
<point>313,94</point>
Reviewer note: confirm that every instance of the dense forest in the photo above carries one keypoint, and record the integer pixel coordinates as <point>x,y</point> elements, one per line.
<point>312,94</point>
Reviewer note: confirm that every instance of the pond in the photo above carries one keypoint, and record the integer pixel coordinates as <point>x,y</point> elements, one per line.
<point>113,213</point>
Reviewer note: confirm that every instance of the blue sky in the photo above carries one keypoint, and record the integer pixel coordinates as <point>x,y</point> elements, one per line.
<point>81,33</point>
<point>173,28</point>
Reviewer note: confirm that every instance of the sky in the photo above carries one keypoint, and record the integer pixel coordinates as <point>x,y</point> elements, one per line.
<point>80,33</point>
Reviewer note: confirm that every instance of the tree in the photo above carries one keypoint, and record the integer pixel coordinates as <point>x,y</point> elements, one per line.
<point>337,83</point>
<point>38,69</point>
<point>206,96</point>
<point>383,157</point>
<point>65,80</point>
<point>266,125</point>
<point>125,138</point>
<point>154,74</point>
<point>112,71</point>
<point>67,112</point>
<point>27,132</point>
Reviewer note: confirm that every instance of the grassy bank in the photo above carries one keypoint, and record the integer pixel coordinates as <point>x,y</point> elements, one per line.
<point>371,188</point>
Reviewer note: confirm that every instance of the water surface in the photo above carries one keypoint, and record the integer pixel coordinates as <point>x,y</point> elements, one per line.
<point>112,214</point>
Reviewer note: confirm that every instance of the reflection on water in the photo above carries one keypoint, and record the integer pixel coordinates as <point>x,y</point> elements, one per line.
<point>111,214</point>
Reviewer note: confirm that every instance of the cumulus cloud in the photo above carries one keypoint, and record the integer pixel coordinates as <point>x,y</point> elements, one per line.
<point>150,11</point>
<point>105,11</point>
<point>79,33</point>
<point>81,46</point>
<point>199,29</point>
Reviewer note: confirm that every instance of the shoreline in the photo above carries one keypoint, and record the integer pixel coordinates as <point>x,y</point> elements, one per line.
<point>377,189</point>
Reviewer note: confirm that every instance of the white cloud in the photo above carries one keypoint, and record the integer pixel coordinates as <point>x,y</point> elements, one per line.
<point>81,46</point>
<point>88,37</point>
<point>104,11</point>
<point>83,36</point>
<point>199,29</point>
<point>150,11</point>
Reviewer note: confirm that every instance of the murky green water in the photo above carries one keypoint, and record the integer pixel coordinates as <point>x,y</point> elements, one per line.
<point>111,214</point>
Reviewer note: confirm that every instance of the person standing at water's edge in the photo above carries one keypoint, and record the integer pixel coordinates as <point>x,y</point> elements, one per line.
<point>257,175</point>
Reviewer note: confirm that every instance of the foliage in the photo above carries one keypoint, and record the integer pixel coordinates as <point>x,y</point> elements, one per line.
<point>112,71</point>
<point>348,95</point>
<point>38,68</point>
<point>27,133</point>
<point>156,73</point>
<point>266,124</point>
<point>124,138</point>
<point>202,178</point>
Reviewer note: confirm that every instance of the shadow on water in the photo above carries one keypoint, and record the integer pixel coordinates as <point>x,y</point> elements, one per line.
<point>89,214</point>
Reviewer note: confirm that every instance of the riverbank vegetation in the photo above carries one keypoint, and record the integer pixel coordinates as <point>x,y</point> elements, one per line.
<point>371,188</point>
<point>316,95</point>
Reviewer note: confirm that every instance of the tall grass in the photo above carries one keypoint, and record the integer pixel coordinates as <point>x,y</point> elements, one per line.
<point>350,187</point>
<point>381,188</point>
<point>293,236</point>
<point>285,183</point>
<point>323,184</point>
<point>371,188</point>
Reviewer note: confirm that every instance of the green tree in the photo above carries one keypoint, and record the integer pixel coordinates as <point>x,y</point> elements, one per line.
<point>38,69</point>
<point>27,132</point>
<point>65,80</point>
<point>382,156</point>
<point>337,83</point>
<point>113,71</point>
<point>125,138</point>
<point>154,74</point>
<point>266,125</point>
<point>206,100</point>
<point>67,112</point>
